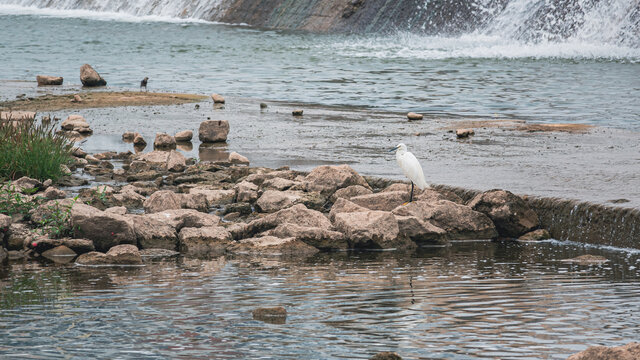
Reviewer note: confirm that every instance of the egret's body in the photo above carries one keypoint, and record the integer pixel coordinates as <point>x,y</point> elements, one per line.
<point>410,167</point>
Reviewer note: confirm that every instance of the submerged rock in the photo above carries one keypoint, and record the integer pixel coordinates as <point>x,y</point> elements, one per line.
<point>511,215</point>
<point>90,77</point>
<point>117,255</point>
<point>630,351</point>
<point>274,315</point>
<point>60,254</point>
<point>587,260</point>
<point>535,235</point>
<point>44,80</point>
<point>386,355</point>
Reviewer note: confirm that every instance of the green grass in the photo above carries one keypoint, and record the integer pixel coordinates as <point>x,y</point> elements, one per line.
<point>33,150</point>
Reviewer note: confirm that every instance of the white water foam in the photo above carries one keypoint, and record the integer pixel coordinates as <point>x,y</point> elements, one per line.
<point>415,46</point>
<point>94,15</point>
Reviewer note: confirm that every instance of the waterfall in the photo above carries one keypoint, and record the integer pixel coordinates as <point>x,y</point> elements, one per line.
<point>178,9</point>
<point>612,22</point>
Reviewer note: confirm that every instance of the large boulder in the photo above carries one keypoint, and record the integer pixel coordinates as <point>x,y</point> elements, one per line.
<point>15,236</point>
<point>204,241</point>
<point>27,185</point>
<point>278,184</point>
<point>153,233</point>
<point>272,246</point>
<point>104,229</point>
<point>127,197</point>
<point>44,80</point>
<point>195,201</point>
<point>371,230</point>
<point>327,179</point>
<point>630,351</point>
<point>511,215</point>
<point>213,131</point>
<point>458,221</point>
<point>181,218</point>
<point>90,77</point>
<point>163,200</point>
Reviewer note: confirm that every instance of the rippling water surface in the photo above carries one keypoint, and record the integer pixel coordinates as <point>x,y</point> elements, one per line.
<point>470,75</point>
<point>477,300</point>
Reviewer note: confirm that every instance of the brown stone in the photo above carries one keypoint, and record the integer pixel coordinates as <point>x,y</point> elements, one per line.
<point>213,131</point>
<point>327,179</point>
<point>274,200</point>
<point>414,116</point>
<point>535,235</point>
<point>77,123</point>
<point>297,215</point>
<point>386,355</point>
<point>93,258</point>
<point>371,230</point>
<point>204,241</point>
<point>272,246</point>
<point>176,162</point>
<point>214,196</point>
<point>630,351</point>
<point>297,112</point>
<point>44,80</point>
<point>90,77</point>
<point>350,191</point>
<point>104,229</point>
<point>164,141</point>
<point>124,255</point>
<point>138,140</point>
<point>343,205</point>
<point>184,136</point>
<point>246,191</point>
<point>162,200</point>
<point>511,215</point>
<point>153,233</point>
<point>182,218</point>
<point>129,136</point>
<point>236,158</point>
<point>60,254</point>
<point>459,221</point>
<point>323,239</point>
<point>217,99</point>
<point>385,201</point>
<point>464,133</point>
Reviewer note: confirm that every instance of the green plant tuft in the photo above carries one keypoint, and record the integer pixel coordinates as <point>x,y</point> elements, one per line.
<point>34,150</point>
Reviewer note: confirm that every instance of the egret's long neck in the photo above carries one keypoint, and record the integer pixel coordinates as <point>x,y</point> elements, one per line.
<point>400,153</point>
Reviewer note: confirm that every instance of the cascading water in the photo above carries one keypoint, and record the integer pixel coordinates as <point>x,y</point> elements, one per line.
<point>611,22</point>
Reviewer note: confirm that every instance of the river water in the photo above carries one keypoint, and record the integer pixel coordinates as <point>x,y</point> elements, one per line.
<point>477,300</point>
<point>580,80</point>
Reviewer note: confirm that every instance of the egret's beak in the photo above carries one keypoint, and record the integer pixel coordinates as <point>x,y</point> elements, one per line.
<point>394,149</point>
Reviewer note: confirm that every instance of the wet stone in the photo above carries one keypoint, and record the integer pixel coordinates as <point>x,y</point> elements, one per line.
<point>273,315</point>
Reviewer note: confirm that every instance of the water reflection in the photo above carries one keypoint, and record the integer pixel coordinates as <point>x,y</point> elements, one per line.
<point>469,300</point>
<point>213,152</point>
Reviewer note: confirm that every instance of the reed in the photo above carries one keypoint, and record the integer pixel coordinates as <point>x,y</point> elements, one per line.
<point>33,149</point>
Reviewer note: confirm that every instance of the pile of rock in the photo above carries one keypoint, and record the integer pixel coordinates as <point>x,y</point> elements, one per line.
<point>75,125</point>
<point>171,204</point>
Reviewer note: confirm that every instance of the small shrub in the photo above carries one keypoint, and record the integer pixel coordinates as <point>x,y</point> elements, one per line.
<point>57,223</point>
<point>33,150</point>
<point>13,202</point>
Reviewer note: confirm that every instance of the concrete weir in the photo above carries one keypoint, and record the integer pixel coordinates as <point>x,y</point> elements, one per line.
<point>580,221</point>
<point>573,220</point>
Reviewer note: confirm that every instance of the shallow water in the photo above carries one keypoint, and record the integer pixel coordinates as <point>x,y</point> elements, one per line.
<point>477,300</point>
<point>471,75</point>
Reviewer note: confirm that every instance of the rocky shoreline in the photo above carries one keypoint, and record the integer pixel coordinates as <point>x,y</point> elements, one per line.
<point>162,200</point>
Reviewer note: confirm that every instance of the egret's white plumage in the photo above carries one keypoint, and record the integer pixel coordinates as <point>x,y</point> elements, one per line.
<point>410,167</point>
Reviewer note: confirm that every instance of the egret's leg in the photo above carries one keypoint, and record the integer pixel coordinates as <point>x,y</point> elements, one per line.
<point>411,196</point>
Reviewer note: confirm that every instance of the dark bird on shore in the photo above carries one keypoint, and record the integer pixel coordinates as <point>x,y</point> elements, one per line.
<point>143,83</point>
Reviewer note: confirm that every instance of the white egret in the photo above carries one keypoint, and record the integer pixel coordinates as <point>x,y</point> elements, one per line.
<point>410,167</point>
